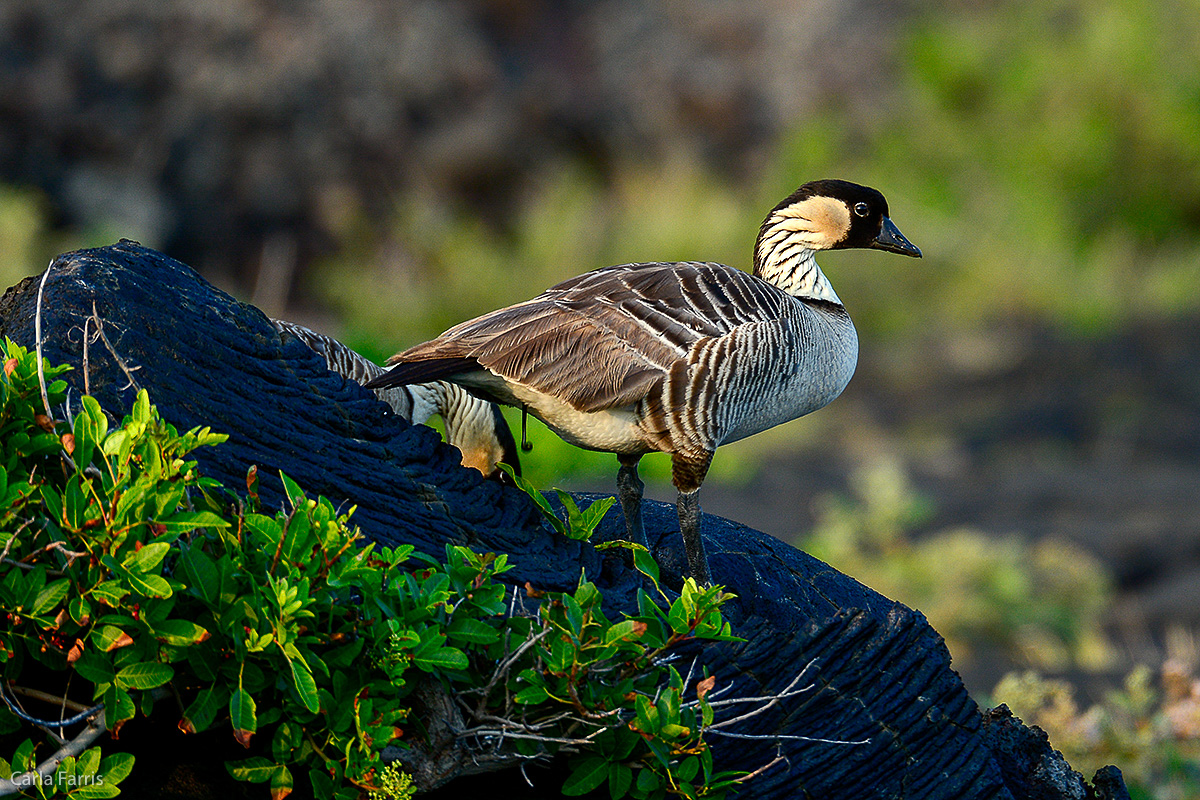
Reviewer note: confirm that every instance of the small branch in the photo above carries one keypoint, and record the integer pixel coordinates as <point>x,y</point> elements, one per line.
<point>44,771</point>
<point>47,723</point>
<point>46,697</point>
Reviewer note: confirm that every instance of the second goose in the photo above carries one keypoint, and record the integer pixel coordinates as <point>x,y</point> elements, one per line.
<point>675,357</point>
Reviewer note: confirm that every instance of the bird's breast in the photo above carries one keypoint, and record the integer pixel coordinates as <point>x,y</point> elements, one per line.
<point>795,373</point>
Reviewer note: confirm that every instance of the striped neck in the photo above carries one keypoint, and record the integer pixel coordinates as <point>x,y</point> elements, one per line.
<point>794,270</point>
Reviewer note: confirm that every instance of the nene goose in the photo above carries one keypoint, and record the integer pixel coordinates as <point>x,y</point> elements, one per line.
<point>474,426</point>
<point>678,358</point>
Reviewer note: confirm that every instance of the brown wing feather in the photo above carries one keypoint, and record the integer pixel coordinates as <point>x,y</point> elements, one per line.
<point>606,338</point>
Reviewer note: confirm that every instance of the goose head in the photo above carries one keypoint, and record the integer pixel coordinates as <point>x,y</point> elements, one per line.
<point>823,215</point>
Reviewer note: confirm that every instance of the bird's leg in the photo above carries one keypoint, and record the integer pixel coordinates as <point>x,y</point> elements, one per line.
<point>687,473</point>
<point>629,490</point>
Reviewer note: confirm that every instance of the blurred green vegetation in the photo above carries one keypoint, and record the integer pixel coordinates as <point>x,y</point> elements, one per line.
<point>1046,157</point>
<point>1149,728</point>
<point>1036,604</point>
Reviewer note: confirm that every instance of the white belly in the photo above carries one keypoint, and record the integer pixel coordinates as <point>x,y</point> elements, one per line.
<point>614,430</point>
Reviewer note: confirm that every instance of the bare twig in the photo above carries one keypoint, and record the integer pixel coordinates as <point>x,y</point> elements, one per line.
<point>772,737</point>
<point>37,336</point>
<point>768,701</point>
<point>503,667</point>
<point>12,540</point>
<point>112,350</point>
<point>751,775</point>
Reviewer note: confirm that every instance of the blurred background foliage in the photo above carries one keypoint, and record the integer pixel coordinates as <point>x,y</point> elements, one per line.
<point>1045,157</point>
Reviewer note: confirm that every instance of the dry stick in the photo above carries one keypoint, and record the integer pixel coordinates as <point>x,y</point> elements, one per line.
<point>760,770</point>
<point>37,335</point>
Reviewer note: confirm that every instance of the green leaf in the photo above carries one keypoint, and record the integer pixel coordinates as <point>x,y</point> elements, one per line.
<point>109,637</point>
<point>474,631</point>
<point>688,769</point>
<point>302,678</point>
<point>202,711</point>
<point>267,530</point>
<point>574,614</point>
<point>243,714</point>
<point>590,773</point>
<point>141,408</point>
<point>50,596</point>
<point>252,770</point>
<point>149,585</point>
<point>94,667</point>
<point>561,655</point>
<point>281,783</point>
<point>145,585</point>
<point>188,520</point>
<point>647,781</point>
<point>295,494</point>
<point>118,706</point>
<point>620,777</point>
<point>201,574</point>
<point>441,658</point>
<point>111,593</point>
<point>678,617</point>
<point>591,516</point>
<point>287,739</point>
<point>179,632</point>
<point>644,562</point>
<point>531,695</point>
<point>147,558</point>
<point>144,675</point>
<point>537,497</point>
<point>624,630</point>
<point>80,609</point>
<point>116,768</point>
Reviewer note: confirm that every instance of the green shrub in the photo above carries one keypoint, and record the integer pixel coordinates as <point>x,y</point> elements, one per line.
<point>1152,732</point>
<point>1040,603</point>
<point>132,579</point>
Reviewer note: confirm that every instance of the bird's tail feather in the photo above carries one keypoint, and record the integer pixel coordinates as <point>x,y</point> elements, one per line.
<point>425,371</point>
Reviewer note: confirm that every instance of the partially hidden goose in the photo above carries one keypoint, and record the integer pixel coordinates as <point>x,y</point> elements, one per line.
<point>675,357</point>
<point>476,427</point>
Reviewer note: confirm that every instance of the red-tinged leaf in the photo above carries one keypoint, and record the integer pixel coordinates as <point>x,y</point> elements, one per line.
<point>532,592</point>
<point>68,443</point>
<point>243,716</point>
<point>76,651</point>
<point>705,686</point>
<point>10,367</point>
<point>109,638</point>
<point>186,726</point>
<point>281,783</point>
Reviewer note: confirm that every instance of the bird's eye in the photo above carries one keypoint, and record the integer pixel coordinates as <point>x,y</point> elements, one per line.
<point>862,209</point>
